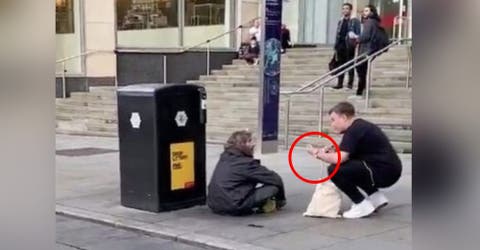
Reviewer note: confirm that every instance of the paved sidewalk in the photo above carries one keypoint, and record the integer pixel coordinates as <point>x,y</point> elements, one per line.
<point>88,187</point>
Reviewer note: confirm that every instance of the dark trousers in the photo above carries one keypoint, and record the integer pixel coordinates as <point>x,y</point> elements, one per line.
<point>260,196</point>
<point>362,70</point>
<point>250,58</point>
<point>354,174</point>
<point>345,55</point>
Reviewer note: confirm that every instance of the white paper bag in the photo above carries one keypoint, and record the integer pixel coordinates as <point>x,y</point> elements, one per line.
<point>326,201</point>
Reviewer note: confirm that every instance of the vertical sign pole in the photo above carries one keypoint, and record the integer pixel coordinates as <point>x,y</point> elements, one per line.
<point>269,90</point>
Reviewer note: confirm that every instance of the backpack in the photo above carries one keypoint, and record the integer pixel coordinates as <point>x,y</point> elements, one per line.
<point>380,40</point>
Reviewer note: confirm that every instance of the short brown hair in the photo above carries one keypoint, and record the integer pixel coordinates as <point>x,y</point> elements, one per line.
<point>238,139</point>
<point>343,108</point>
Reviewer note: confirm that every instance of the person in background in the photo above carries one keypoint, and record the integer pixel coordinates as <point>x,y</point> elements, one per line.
<point>255,30</point>
<point>368,161</point>
<point>348,30</point>
<point>252,52</point>
<point>371,21</point>
<point>240,185</point>
<point>286,42</point>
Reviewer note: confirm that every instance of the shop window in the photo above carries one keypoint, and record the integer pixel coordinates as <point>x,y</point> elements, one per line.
<point>204,12</point>
<point>146,14</point>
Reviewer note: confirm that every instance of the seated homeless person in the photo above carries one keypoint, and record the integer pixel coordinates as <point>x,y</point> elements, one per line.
<point>368,162</point>
<point>233,188</point>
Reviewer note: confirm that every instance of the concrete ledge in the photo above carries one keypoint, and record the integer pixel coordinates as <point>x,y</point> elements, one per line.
<point>182,236</point>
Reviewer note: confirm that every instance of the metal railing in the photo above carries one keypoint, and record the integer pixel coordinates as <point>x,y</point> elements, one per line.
<point>322,81</point>
<point>400,27</point>
<point>64,61</point>
<point>208,42</point>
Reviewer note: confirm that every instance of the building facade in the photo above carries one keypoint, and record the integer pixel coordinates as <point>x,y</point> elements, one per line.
<point>131,41</point>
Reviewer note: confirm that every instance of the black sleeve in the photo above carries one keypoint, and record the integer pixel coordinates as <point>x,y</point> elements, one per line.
<point>257,50</point>
<point>351,138</point>
<point>260,174</point>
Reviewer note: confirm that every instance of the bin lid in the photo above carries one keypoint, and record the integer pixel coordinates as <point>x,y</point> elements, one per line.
<point>156,87</point>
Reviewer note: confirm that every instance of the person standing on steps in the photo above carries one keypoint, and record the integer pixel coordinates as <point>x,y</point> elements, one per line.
<point>368,161</point>
<point>348,30</point>
<point>370,23</point>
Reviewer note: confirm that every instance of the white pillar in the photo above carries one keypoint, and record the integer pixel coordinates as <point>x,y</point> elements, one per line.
<point>400,20</point>
<point>100,35</point>
<point>410,19</point>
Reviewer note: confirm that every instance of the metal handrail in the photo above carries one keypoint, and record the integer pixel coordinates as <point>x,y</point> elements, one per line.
<point>398,21</point>
<point>81,55</point>
<point>64,66</point>
<point>322,84</point>
<point>208,41</point>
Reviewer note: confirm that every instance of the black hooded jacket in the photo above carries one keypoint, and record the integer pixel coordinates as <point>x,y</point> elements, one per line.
<point>234,179</point>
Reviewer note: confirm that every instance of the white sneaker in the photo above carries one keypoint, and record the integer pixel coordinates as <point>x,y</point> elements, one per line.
<point>355,97</point>
<point>378,200</point>
<point>363,209</point>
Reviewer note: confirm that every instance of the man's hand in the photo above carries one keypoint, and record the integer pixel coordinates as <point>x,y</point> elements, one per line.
<point>316,152</point>
<point>312,150</point>
<point>327,154</point>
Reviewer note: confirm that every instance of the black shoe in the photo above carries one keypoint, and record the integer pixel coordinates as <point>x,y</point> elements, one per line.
<point>281,203</point>
<point>350,86</point>
<point>337,87</point>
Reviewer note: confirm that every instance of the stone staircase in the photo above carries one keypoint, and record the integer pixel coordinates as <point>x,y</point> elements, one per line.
<point>232,99</point>
<point>91,113</point>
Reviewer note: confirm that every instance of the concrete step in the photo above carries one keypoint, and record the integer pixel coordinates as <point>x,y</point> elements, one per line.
<point>86,133</point>
<point>313,73</point>
<point>241,75</point>
<point>320,66</point>
<point>108,104</point>
<point>94,110</point>
<point>250,92</point>
<point>376,81</point>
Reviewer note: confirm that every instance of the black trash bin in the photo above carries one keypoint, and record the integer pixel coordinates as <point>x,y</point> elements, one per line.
<point>161,131</point>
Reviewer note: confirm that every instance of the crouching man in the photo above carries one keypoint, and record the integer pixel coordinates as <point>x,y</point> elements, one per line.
<point>368,162</point>
<point>240,185</point>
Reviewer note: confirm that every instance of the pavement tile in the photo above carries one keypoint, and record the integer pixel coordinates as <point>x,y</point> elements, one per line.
<point>302,239</point>
<point>369,244</point>
<point>357,228</point>
<point>91,183</point>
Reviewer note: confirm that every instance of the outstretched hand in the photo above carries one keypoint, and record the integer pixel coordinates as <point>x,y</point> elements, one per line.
<point>312,150</point>
<point>319,151</point>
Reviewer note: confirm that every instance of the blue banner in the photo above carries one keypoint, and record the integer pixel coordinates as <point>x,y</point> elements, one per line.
<point>271,47</point>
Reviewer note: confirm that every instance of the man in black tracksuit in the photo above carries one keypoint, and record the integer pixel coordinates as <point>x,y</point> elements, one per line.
<point>348,30</point>
<point>233,188</point>
<point>368,161</point>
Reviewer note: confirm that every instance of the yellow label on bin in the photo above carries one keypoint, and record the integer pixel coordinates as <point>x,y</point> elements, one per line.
<point>182,169</point>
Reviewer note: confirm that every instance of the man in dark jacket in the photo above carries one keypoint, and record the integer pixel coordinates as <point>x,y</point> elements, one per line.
<point>348,30</point>
<point>371,21</point>
<point>233,188</point>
